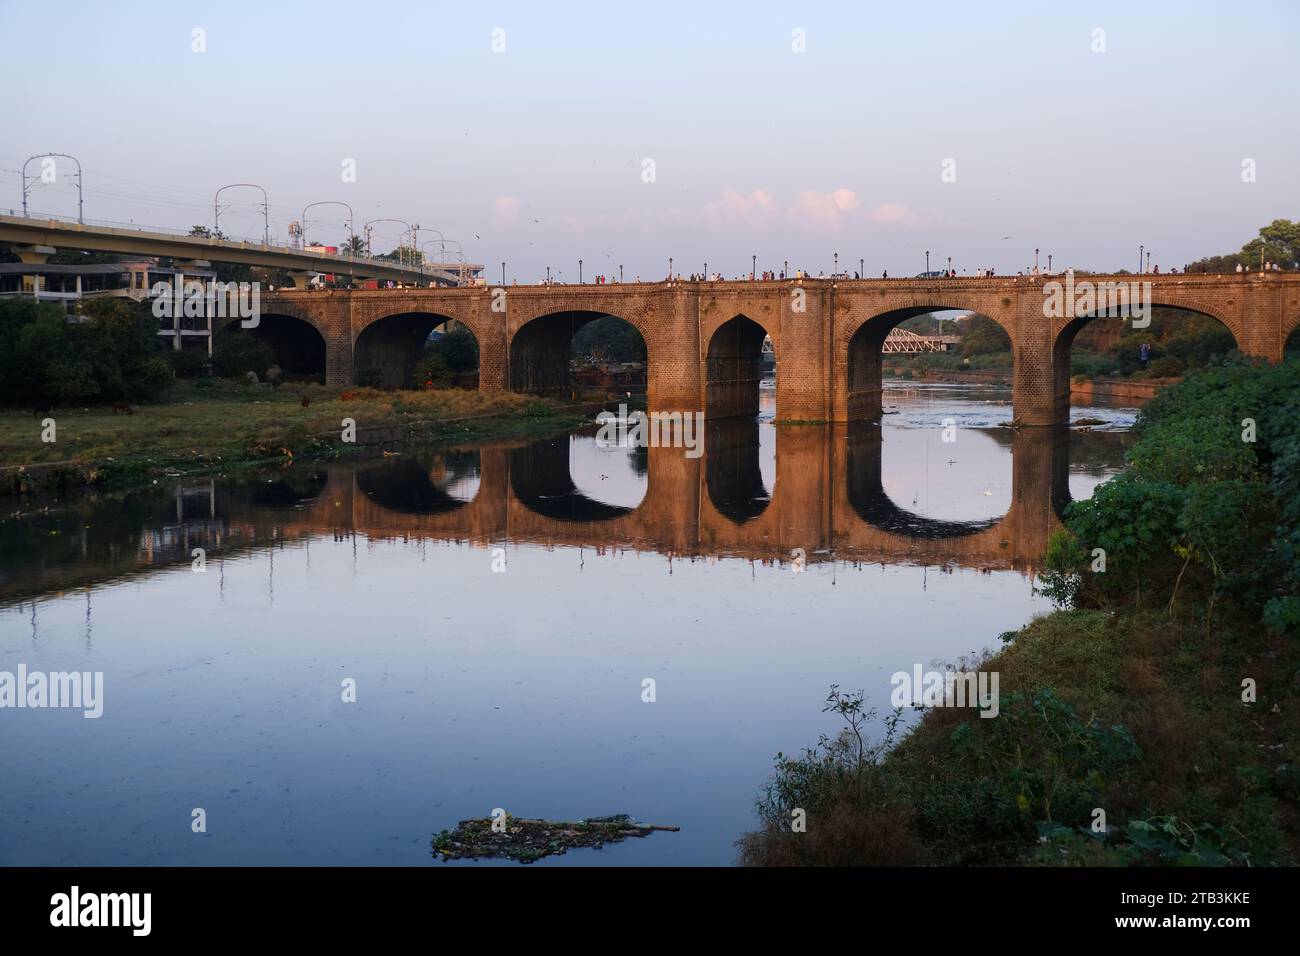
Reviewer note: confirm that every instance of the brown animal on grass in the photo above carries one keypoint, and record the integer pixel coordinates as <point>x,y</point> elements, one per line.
<point>122,408</point>
<point>348,396</point>
<point>305,401</point>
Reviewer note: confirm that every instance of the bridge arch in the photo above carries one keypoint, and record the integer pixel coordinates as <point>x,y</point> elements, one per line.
<point>388,349</point>
<point>298,343</point>
<point>733,360</point>
<point>1291,334</point>
<point>541,347</point>
<point>1163,308</point>
<point>862,338</point>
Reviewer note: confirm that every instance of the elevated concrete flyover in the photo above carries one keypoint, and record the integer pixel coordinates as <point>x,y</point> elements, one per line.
<point>37,239</point>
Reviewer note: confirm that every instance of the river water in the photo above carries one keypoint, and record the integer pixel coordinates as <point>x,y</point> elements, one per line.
<point>499,610</point>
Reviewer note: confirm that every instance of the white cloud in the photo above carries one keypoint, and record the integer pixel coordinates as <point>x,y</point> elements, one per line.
<point>891,212</point>
<point>825,211</point>
<point>734,207</point>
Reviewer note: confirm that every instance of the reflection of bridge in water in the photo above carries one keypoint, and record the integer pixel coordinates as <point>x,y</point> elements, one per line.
<point>828,500</point>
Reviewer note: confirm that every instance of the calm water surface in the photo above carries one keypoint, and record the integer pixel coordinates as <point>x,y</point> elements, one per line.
<point>480,688</point>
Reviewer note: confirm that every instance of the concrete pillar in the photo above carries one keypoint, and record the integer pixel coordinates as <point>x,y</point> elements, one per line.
<point>177,308</point>
<point>34,255</point>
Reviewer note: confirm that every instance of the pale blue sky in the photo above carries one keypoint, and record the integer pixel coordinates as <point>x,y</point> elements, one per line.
<point>535,155</point>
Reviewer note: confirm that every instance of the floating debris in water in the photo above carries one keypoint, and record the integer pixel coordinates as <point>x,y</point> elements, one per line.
<point>529,840</point>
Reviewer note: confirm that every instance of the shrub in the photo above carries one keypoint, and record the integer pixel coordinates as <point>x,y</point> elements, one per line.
<point>235,354</point>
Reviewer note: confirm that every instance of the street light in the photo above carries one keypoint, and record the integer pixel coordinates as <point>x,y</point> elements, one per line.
<point>862,268</point>
<point>670,268</point>
<point>266,216</point>
<point>579,272</point>
<point>927,261</point>
<point>620,273</point>
<point>401,249</point>
<point>1140,249</point>
<point>26,189</point>
<point>329,202</point>
<point>503,273</point>
<point>836,270</point>
<point>753,267</point>
<point>950,265</point>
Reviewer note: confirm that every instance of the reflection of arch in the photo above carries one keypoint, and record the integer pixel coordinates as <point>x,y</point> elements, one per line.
<point>297,344</point>
<point>286,490</point>
<point>869,500</point>
<point>389,348</point>
<point>419,485</point>
<point>541,480</point>
<point>862,362</point>
<point>733,476</point>
<point>733,368</point>
<point>539,350</point>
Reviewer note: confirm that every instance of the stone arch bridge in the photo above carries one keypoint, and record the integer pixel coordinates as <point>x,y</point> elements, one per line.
<point>704,339</point>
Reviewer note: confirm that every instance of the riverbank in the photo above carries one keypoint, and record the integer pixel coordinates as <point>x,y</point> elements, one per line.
<point>1131,391</point>
<point>226,426</point>
<point>1154,721</point>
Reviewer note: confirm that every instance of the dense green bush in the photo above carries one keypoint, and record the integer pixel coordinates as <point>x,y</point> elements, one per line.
<point>111,354</point>
<point>189,363</point>
<point>236,353</point>
<point>446,356</point>
<point>1208,510</point>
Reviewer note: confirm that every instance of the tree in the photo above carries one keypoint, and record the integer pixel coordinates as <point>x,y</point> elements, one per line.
<point>982,336</point>
<point>1277,242</point>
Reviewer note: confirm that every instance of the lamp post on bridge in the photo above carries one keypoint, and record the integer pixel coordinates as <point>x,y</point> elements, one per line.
<point>503,273</point>
<point>579,272</point>
<point>548,275</point>
<point>329,202</point>
<point>26,189</point>
<point>836,271</point>
<point>950,266</point>
<point>927,262</point>
<point>1049,263</point>
<point>670,268</point>
<point>862,268</point>
<point>620,273</point>
<point>753,267</point>
<point>1140,250</point>
<point>266,216</point>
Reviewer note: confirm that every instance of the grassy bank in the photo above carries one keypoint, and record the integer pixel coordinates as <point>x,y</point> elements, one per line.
<point>1154,719</point>
<point>223,426</point>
